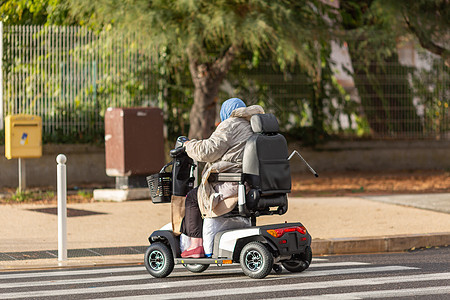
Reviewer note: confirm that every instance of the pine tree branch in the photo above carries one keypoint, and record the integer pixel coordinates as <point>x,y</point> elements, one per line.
<point>193,62</point>
<point>221,66</point>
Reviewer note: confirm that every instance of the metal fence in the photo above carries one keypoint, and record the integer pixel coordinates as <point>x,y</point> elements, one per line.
<point>405,97</point>
<point>70,75</point>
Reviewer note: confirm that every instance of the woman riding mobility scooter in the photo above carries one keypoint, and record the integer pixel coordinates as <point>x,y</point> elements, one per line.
<point>262,190</point>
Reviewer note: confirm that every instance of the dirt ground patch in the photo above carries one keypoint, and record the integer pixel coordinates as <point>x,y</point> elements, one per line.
<point>303,184</point>
<point>358,183</point>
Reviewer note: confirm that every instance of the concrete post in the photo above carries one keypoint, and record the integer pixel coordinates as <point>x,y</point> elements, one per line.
<point>22,175</point>
<point>62,206</point>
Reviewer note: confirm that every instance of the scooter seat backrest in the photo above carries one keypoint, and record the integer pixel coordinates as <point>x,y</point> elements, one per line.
<point>266,124</point>
<point>265,161</point>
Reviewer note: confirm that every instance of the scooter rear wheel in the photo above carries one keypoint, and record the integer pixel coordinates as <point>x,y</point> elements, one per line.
<point>299,265</point>
<point>159,260</point>
<point>256,260</point>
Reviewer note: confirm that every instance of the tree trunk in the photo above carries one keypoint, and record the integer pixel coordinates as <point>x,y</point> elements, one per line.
<point>203,112</point>
<point>207,78</point>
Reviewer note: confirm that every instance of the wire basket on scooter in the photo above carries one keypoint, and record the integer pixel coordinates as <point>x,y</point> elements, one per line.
<point>160,185</point>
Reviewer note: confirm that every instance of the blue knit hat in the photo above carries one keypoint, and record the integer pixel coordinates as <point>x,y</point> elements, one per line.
<point>228,106</point>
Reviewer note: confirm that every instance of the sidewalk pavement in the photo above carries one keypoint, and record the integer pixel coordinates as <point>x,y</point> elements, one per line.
<point>107,233</point>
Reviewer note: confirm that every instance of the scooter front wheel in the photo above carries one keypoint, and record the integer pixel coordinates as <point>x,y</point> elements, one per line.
<point>159,260</point>
<point>196,268</point>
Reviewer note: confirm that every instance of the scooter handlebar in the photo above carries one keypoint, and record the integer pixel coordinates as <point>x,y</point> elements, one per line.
<point>177,151</point>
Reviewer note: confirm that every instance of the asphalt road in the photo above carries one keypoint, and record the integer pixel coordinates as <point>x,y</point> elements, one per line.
<point>420,274</point>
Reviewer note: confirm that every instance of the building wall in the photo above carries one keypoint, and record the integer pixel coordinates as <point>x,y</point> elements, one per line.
<point>86,164</point>
<point>376,156</point>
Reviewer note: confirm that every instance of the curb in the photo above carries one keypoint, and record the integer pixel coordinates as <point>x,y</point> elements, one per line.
<point>357,245</point>
<point>393,243</point>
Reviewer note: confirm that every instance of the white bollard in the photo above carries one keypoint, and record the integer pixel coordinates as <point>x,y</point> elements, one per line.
<point>62,206</point>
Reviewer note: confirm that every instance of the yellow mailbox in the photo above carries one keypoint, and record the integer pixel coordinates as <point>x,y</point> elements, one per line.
<point>23,136</point>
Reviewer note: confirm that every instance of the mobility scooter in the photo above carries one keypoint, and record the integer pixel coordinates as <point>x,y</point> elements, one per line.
<point>262,190</point>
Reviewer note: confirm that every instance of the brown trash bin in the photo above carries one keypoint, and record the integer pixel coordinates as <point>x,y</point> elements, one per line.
<point>134,144</point>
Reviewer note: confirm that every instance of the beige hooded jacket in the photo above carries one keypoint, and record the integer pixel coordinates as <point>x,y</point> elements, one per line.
<point>223,152</point>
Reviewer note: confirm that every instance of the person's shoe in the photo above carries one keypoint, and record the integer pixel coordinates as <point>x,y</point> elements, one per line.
<point>194,253</point>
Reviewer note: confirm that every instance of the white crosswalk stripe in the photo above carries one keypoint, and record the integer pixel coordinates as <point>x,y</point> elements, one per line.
<point>94,283</point>
<point>119,288</point>
<point>71,273</point>
<point>114,270</point>
<point>329,284</point>
<point>135,277</point>
<point>435,290</point>
<point>304,286</point>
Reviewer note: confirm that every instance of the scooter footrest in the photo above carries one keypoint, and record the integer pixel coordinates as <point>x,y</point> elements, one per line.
<point>204,261</point>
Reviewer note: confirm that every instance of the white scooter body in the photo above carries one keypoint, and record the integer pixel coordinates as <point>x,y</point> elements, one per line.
<point>258,249</point>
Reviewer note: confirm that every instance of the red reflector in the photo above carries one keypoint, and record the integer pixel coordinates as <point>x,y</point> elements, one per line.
<point>301,229</point>
<point>283,242</point>
<point>303,239</point>
<point>279,232</point>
